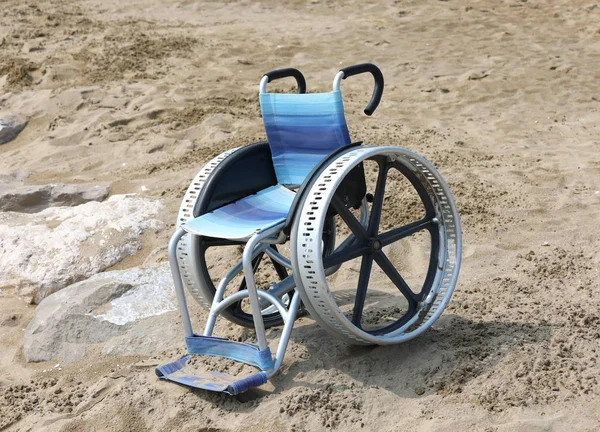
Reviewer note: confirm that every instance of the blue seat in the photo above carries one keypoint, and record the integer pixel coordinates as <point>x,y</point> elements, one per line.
<point>242,218</point>
<point>302,129</point>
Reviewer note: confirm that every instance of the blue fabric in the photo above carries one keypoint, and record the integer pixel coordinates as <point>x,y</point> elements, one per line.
<point>241,219</point>
<point>172,367</point>
<point>302,129</point>
<point>244,384</point>
<point>217,381</point>
<point>220,347</point>
<point>213,381</point>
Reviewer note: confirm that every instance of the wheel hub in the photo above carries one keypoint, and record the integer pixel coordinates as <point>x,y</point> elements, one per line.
<point>375,245</point>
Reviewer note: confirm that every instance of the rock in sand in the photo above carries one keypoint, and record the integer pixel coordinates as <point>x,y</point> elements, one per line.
<point>19,197</point>
<point>10,126</point>
<point>120,308</point>
<point>43,252</point>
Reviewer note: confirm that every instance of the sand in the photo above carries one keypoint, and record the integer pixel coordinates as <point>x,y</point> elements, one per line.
<point>502,96</point>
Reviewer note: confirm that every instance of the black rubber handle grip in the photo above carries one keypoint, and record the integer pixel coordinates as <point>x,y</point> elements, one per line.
<point>377,75</point>
<point>288,72</point>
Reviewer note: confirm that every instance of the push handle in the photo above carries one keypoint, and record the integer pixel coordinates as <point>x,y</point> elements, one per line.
<point>377,75</point>
<point>288,72</point>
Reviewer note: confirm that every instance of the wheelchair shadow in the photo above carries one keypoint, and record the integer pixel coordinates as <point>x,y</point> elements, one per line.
<point>442,360</point>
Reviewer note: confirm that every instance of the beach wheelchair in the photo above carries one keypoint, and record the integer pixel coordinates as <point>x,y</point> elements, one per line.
<point>332,219</point>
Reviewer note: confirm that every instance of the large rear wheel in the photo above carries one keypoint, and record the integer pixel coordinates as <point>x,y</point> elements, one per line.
<point>397,272</point>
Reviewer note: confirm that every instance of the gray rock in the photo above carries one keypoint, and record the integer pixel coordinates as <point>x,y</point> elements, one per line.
<point>43,252</point>
<point>66,317</point>
<point>10,126</point>
<point>19,197</point>
<point>147,337</point>
<point>123,311</point>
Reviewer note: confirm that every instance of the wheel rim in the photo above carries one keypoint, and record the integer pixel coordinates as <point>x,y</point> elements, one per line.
<point>440,220</point>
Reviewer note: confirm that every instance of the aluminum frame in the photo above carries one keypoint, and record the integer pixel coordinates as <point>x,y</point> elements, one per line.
<point>258,243</point>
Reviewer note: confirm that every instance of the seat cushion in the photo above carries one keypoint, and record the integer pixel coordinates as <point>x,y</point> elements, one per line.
<point>242,218</point>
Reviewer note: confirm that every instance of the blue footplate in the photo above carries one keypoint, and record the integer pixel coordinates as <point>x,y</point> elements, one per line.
<point>216,381</point>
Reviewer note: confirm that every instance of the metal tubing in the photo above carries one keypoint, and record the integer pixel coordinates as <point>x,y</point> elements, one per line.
<point>233,273</point>
<point>285,334</point>
<point>336,81</point>
<point>278,257</point>
<point>176,274</point>
<point>266,295</point>
<point>259,325</point>
<point>240,295</point>
<point>279,239</point>
<point>283,287</point>
<point>263,84</point>
<point>220,292</point>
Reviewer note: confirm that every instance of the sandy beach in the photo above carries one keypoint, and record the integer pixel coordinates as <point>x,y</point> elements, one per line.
<point>501,96</point>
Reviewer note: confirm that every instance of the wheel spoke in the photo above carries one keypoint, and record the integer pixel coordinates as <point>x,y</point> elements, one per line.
<point>361,290</point>
<point>355,226</point>
<point>374,219</point>
<point>385,264</point>
<point>396,234</point>
<point>342,256</point>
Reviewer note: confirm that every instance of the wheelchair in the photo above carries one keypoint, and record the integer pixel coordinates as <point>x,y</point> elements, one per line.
<point>311,191</point>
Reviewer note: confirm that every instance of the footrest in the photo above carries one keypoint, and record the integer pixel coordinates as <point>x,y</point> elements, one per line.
<point>239,351</point>
<point>216,381</point>
<point>213,381</point>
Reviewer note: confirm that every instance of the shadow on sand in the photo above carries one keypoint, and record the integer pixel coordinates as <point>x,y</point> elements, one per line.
<point>442,360</point>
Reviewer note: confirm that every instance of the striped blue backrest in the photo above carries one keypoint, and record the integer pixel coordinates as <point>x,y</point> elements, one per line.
<point>302,129</point>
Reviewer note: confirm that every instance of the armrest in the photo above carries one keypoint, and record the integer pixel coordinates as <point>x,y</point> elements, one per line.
<point>244,172</point>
